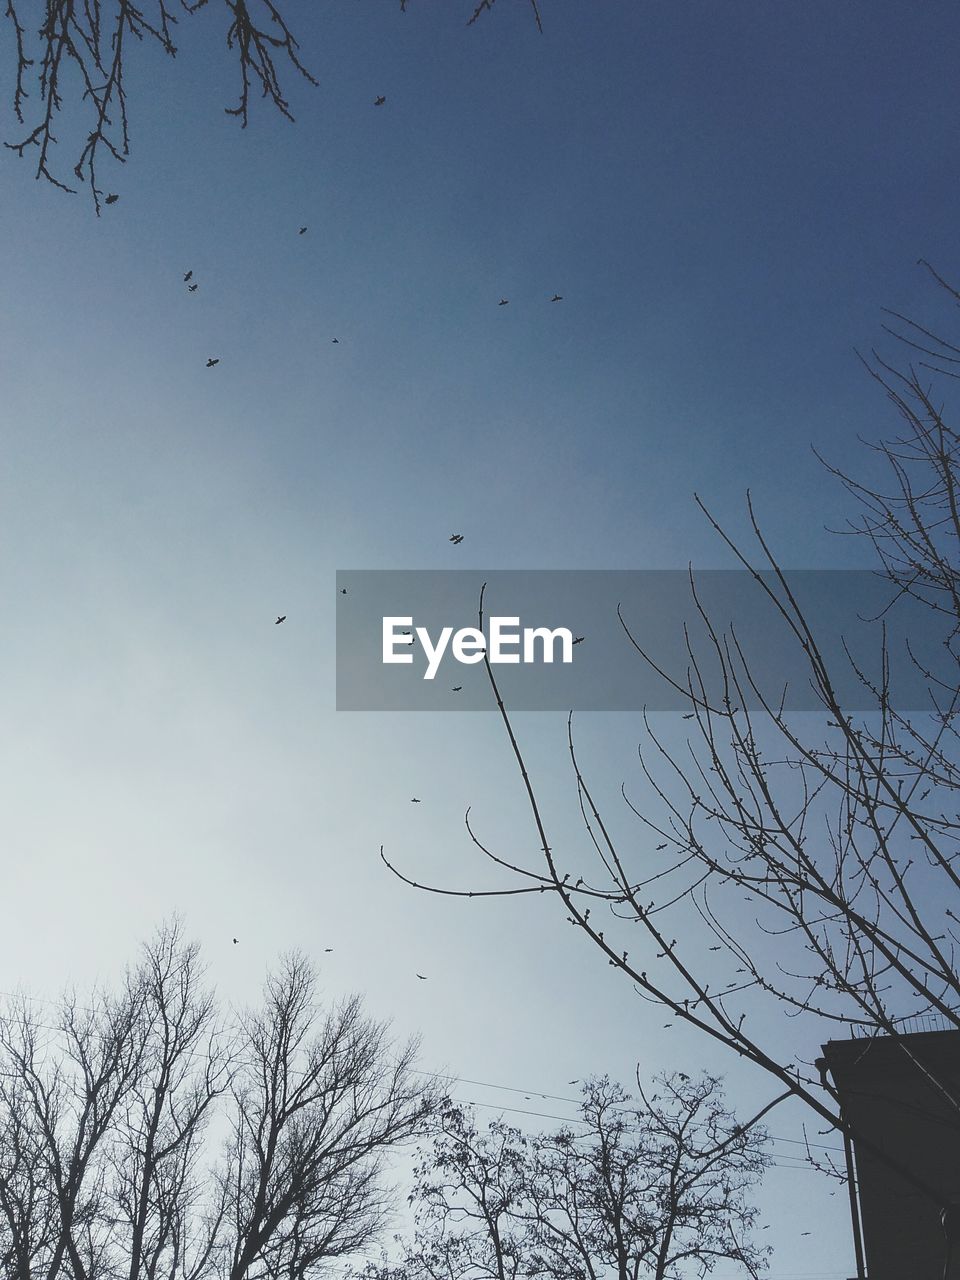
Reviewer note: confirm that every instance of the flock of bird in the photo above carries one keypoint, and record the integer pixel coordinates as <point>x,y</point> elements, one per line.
<point>455,538</point>
<point>193,285</point>
<point>213,361</point>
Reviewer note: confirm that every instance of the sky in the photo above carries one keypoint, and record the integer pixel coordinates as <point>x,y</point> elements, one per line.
<point>725,196</point>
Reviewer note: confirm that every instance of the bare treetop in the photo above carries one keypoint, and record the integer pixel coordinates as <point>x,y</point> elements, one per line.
<point>657,1187</point>
<point>143,1135</point>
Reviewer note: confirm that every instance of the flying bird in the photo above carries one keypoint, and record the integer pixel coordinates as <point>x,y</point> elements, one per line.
<point>192,288</point>
<point>557,297</point>
<point>280,618</point>
<point>327,950</point>
<point>579,639</point>
<point>112,198</point>
<point>302,231</point>
<point>334,339</point>
<point>689,717</point>
<point>187,277</point>
<point>422,977</point>
<point>503,302</point>
<point>211,362</point>
<point>379,100</point>
<point>343,591</point>
<point>415,801</point>
<point>235,941</point>
<point>660,846</point>
<point>714,948</point>
<point>456,539</point>
<point>456,688</point>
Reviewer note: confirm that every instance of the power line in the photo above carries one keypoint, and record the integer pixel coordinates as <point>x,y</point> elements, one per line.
<point>573,1102</point>
<point>447,1076</point>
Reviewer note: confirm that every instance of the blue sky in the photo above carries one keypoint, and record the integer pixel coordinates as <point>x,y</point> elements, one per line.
<point>725,196</point>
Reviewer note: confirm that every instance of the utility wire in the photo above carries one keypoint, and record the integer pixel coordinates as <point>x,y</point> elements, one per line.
<point>442,1076</point>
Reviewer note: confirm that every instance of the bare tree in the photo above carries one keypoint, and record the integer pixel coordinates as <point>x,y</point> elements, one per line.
<point>656,1190</point>
<point>111,1112</point>
<point>653,1190</point>
<point>843,837</point>
<point>314,1110</point>
<point>158,1143</point>
<point>28,1217</point>
<point>468,1195</point>
<point>71,63</point>
<point>59,1110</point>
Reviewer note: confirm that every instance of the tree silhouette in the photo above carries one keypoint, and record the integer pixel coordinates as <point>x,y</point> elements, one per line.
<point>111,1113</point>
<point>659,1190</point>
<point>842,835</point>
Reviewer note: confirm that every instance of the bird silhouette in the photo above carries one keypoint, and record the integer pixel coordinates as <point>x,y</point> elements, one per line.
<point>503,302</point>
<point>192,288</point>
<point>573,1082</point>
<point>280,618</point>
<point>302,231</point>
<point>456,539</point>
<point>235,941</point>
<point>379,101</point>
<point>714,948</point>
<point>112,198</point>
<point>557,297</point>
<point>327,950</point>
<point>211,362</point>
<point>579,639</point>
<point>415,801</point>
<point>343,591</point>
<point>660,846</point>
<point>422,977</point>
<point>689,717</point>
<point>187,277</point>
<point>334,339</point>
<point>456,688</point>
